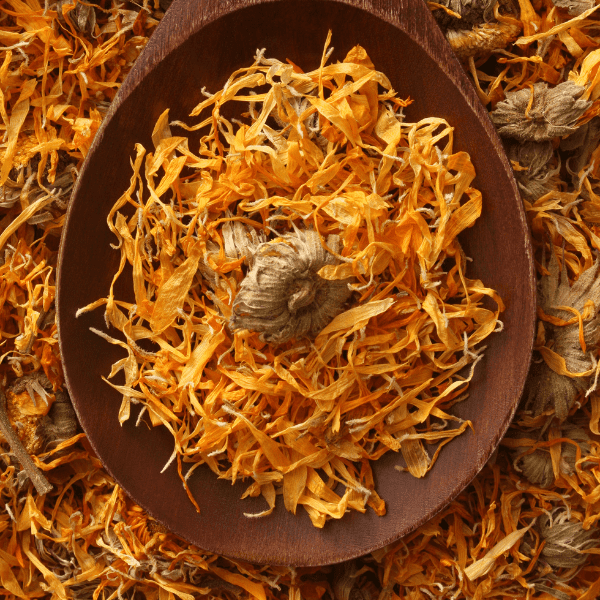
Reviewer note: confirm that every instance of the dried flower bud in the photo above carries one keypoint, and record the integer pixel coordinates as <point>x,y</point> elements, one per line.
<point>581,144</point>
<point>545,386</point>
<point>472,12</point>
<point>282,296</point>
<point>569,451</point>
<point>60,424</point>
<point>553,112</point>
<point>33,382</point>
<point>574,7</point>
<point>536,178</point>
<point>346,583</point>
<point>537,465</point>
<point>482,39</point>
<point>565,540</point>
<point>83,16</point>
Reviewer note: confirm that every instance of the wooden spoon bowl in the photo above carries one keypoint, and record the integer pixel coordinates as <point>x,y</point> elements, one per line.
<point>199,43</point>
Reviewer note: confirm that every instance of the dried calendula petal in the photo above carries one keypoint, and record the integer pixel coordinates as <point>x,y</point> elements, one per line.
<point>540,113</point>
<point>301,284</point>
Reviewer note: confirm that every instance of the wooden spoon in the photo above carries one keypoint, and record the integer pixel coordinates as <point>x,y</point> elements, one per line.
<point>199,43</point>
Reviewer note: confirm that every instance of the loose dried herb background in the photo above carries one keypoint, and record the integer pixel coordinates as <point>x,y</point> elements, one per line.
<point>527,527</point>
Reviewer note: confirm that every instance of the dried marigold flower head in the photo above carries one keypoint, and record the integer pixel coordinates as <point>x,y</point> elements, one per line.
<point>546,386</point>
<point>471,12</point>
<point>282,296</point>
<point>552,112</point>
<point>565,540</point>
<point>536,466</point>
<point>535,178</point>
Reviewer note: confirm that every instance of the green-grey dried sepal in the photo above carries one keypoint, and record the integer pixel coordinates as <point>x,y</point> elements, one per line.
<point>565,540</point>
<point>553,112</point>
<point>545,387</point>
<point>539,175</point>
<point>282,297</point>
<point>574,7</point>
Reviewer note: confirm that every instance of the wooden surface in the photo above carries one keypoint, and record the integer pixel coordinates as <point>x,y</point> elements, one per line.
<point>199,43</point>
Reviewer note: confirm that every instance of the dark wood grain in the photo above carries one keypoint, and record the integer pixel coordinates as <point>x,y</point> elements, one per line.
<point>199,43</point>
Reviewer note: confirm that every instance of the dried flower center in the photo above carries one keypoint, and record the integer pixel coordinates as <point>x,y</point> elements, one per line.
<point>303,292</point>
<point>282,296</point>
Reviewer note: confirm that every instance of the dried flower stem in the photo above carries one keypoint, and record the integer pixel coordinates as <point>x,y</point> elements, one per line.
<point>42,485</point>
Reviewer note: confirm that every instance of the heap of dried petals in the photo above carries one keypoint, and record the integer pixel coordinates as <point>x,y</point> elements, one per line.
<point>305,286</point>
<point>540,113</point>
<point>86,538</point>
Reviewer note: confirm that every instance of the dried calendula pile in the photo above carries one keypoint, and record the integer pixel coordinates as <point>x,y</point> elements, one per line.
<point>526,527</point>
<point>302,284</point>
